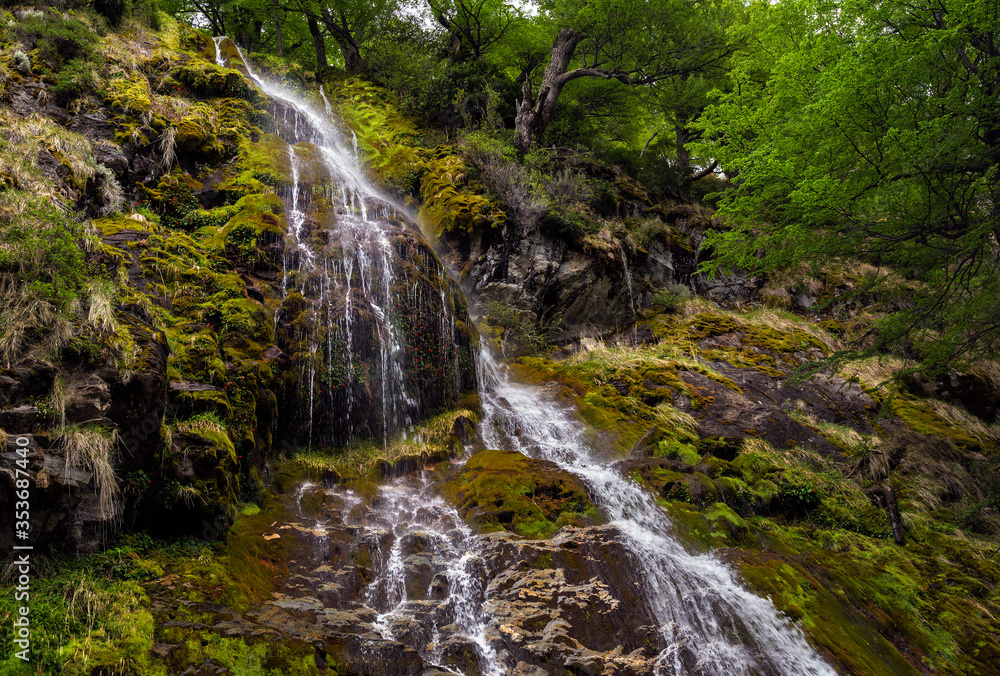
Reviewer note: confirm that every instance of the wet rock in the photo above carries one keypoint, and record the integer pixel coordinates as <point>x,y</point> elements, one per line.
<point>550,276</point>
<point>463,429</point>
<point>559,606</point>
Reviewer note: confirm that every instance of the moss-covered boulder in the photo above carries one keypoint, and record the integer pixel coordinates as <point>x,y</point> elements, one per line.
<point>505,490</point>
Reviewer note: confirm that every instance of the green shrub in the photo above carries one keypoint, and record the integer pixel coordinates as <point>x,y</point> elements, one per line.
<point>58,40</point>
<point>672,298</point>
<point>40,245</point>
<point>74,80</point>
<point>517,333</point>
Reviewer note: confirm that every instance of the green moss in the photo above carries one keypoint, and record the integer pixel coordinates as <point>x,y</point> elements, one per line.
<point>920,416</point>
<point>129,95</point>
<point>674,449</point>
<point>506,490</point>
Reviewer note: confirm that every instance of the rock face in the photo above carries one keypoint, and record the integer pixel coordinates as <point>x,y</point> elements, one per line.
<point>582,289</point>
<point>398,584</point>
<point>113,419</point>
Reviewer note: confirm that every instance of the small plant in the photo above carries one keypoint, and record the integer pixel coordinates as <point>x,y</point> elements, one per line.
<point>799,497</point>
<point>91,449</point>
<point>21,62</point>
<point>672,298</point>
<point>517,333</point>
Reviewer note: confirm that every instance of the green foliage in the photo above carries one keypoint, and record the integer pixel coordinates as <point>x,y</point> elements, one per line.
<point>90,615</point>
<point>58,38</point>
<point>516,332</point>
<point>871,133</point>
<point>74,80</point>
<point>115,11</point>
<point>671,299</point>
<point>40,247</point>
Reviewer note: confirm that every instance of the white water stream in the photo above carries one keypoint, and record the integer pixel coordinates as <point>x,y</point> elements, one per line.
<point>712,625</point>
<point>322,268</point>
<point>707,617</point>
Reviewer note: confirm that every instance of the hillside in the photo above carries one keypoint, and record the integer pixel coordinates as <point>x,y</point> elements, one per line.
<point>305,382</point>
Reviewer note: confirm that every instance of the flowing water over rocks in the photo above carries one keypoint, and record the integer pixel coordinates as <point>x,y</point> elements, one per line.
<point>708,623</point>
<point>377,335</point>
<point>391,580</point>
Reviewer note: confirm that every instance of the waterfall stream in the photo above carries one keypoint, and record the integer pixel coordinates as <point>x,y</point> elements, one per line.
<point>709,623</point>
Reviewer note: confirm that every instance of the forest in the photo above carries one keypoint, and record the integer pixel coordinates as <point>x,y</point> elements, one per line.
<point>486,338</point>
<point>838,128</point>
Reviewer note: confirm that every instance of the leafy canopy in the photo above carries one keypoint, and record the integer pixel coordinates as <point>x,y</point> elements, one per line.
<point>871,132</point>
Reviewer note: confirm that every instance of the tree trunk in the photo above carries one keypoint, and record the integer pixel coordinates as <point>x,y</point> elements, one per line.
<point>277,32</point>
<point>883,497</point>
<point>319,41</point>
<point>352,56</point>
<point>535,112</point>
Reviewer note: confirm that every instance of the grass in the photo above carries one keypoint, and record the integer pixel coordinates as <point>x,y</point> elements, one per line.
<point>203,422</point>
<point>360,457</point>
<point>92,449</point>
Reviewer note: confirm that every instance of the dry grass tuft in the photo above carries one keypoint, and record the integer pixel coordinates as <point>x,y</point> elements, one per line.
<point>988,435</point>
<point>188,496</point>
<point>168,148</point>
<point>91,449</point>
<point>21,310</point>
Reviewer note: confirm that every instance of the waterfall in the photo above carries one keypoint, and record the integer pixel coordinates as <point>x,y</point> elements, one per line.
<point>371,319</point>
<point>707,617</point>
<point>363,292</point>
<point>409,509</point>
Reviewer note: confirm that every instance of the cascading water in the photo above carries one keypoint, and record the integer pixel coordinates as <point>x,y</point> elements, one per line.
<point>355,270</point>
<point>712,625</point>
<point>415,518</point>
<point>362,290</point>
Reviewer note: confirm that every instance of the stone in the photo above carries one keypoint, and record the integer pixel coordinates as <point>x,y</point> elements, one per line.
<point>87,399</point>
<point>20,419</point>
<point>8,390</point>
<point>112,157</point>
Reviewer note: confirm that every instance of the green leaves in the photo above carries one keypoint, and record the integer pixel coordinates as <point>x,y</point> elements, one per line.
<point>869,133</point>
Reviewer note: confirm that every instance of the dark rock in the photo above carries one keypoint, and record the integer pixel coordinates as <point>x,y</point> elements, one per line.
<point>463,430</point>
<point>87,399</point>
<point>972,391</point>
<point>20,420</point>
<point>37,377</point>
<point>729,286</point>
<point>112,157</point>
<point>95,127</point>
<point>549,277</point>
<point>8,390</point>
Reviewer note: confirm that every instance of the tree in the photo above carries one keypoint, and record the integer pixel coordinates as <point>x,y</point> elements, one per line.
<point>873,132</point>
<point>351,23</point>
<point>474,25</point>
<point>634,42</point>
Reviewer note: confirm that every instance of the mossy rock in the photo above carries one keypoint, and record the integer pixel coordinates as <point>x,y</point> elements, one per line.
<point>839,628</point>
<point>505,490</point>
<point>129,95</point>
